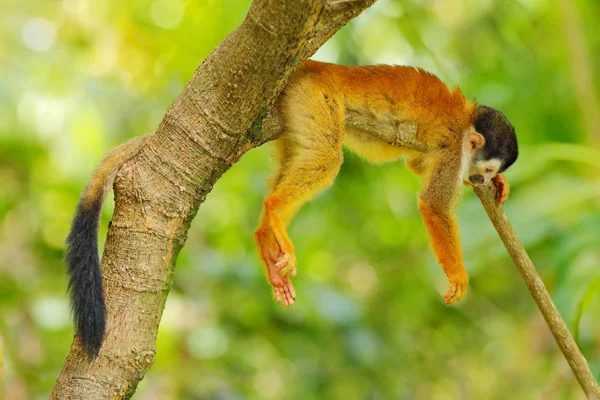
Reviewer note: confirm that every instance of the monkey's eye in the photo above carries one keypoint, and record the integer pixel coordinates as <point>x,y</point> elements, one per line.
<point>488,170</point>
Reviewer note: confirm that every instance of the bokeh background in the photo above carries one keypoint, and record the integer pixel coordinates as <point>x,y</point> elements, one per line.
<point>81,76</point>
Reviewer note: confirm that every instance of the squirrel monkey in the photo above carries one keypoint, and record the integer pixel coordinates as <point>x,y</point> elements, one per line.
<point>465,143</point>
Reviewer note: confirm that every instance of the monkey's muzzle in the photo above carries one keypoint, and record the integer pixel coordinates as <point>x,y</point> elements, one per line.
<point>477,179</point>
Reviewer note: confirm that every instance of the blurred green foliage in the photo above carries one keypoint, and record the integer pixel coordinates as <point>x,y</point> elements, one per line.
<point>80,76</point>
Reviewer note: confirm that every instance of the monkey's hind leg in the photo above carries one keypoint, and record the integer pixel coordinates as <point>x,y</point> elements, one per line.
<point>303,177</point>
<point>309,158</point>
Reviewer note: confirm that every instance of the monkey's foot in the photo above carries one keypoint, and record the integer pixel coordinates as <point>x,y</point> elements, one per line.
<point>502,188</point>
<point>457,289</point>
<point>286,264</point>
<point>279,264</point>
<point>282,288</point>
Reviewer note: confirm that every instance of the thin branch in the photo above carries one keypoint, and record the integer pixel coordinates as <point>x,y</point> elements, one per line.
<point>561,333</point>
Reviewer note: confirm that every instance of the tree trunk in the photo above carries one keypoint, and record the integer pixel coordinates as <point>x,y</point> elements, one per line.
<point>216,118</point>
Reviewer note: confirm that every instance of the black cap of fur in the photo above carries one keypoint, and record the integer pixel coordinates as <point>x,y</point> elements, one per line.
<point>499,134</point>
<point>85,279</point>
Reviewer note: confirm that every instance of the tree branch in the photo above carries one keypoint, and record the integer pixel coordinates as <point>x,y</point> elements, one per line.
<point>562,335</point>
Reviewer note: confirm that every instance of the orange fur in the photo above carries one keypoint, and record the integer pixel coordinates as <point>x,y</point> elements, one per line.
<point>314,107</point>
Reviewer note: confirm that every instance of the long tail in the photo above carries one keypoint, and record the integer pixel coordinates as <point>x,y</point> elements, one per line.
<point>85,279</point>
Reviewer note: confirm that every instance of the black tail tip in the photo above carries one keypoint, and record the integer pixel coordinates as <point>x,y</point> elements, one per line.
<point>85,279</point>
<point>91,340</point>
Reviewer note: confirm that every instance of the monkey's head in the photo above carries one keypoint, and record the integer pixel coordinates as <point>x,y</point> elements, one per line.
<point>491,146</point>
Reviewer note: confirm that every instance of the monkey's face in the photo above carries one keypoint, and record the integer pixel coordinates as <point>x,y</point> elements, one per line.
<point>480,172</point>
<point>491,146</point>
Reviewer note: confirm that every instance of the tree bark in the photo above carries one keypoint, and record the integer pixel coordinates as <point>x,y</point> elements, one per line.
<point>216,118</point>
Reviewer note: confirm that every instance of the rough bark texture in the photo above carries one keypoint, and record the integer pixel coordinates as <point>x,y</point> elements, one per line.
<point>217,117</point>
<point>538,291</point>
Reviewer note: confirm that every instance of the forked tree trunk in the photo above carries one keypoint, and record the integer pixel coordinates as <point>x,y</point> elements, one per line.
<point>216,118</point>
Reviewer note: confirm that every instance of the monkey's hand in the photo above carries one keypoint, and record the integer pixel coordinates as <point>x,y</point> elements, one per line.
<point>502,188</point>
<point>457,289</point>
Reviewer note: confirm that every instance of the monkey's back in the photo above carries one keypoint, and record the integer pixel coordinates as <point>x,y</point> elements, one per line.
<point>406,93</point>
<point>400,95</point>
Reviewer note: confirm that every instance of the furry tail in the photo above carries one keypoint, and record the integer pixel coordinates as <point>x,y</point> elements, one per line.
<point>85,279</point>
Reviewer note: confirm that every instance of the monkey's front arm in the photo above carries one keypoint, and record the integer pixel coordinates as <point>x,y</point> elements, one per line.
<point>437,199</point>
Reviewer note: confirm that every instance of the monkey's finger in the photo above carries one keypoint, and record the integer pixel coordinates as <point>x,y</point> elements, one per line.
<point>292,293</point>
<point>451,291</point>
<point>277,294</point>
<point>500,194</point>
<point>284,296</point>
<point>502,198</point>
<point>294,271</point>
<point>450,294</point>
<point>502,188</point>
<point>450,300</point>
<point>288,293</point>
<point>284,290</point>
<point>455,292</point>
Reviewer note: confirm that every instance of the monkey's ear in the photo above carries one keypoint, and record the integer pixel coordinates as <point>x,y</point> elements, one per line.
<point>474,141</point>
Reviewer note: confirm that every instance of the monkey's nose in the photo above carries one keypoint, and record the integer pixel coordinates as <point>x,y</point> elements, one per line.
<point>477,179</point>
